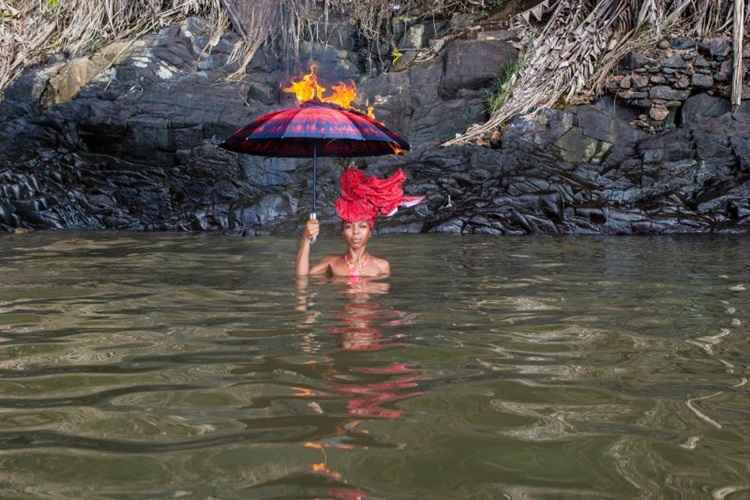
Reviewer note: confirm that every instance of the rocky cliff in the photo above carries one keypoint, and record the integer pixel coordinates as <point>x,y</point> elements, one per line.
<point>127,139</point>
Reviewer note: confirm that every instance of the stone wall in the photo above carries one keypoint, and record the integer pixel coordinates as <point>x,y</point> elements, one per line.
<point>659,80</point>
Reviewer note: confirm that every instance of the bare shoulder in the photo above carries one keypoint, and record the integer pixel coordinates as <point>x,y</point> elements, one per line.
<point>384,267</point>
<point>324,265</point>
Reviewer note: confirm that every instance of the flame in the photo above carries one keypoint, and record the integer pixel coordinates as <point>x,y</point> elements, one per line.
<point>343,95</point>
<point>397,150</point>
<point>308,88</point>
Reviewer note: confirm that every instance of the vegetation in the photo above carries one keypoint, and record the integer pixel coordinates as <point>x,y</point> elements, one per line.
<point>503,86</point>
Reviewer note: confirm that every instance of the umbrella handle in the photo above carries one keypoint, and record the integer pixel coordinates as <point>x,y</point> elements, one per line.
<point>313,216</point>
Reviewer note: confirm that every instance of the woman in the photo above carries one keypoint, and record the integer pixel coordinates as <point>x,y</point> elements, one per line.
<point>362,199</point>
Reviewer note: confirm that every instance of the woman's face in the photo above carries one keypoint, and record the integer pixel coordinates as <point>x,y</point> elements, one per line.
<point>356,234</point>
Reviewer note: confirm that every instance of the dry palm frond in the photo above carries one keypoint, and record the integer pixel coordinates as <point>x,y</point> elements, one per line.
<point>582,40</point>
<point>739,33</point>
<point>254,23</point>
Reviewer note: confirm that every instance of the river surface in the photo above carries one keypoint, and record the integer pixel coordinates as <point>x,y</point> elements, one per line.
<point>196,366</point>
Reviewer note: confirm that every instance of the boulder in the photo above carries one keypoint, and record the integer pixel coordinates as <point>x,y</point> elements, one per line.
<point>668,93</point>
<point>702,106</point>
<point>475,64</point>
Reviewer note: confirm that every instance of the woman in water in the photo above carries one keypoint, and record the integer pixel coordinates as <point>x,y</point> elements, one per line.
<point>362,199</point>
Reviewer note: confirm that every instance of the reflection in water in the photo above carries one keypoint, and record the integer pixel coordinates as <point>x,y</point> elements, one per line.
<point>359,328</point>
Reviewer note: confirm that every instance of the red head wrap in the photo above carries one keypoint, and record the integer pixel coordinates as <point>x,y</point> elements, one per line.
<point>365,197</point>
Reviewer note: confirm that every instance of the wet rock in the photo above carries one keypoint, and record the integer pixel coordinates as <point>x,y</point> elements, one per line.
<point>269,209</point>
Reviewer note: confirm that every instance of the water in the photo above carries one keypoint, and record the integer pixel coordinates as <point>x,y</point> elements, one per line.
<point>195,366</point>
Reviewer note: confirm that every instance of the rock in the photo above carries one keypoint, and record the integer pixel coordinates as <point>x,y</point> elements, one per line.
<point>263,92</point>
<point>701,62</point>
<point>616,109</point>
<point>664,44</point>
<point>640,81</point>
<point>725,71</point>
<point>702,81</point>
<point>77,73</point>
<point>270,209</point>
<point>682,82</point>
<point>667,93</point>
<point>418,35</point>
<point>625,83</point>
<point>681,43</point>
<point>717,48</point>
<point>471,64</point>
<point>675,62</point>
<point>658,112</point>
<point>636,60</point>
<point>658,79</point>
<point>460,21</point>
<point>631,94</point>
<point>699,107</point>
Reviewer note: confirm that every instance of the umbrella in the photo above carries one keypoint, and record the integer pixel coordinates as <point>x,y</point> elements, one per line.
<point>314,129</point>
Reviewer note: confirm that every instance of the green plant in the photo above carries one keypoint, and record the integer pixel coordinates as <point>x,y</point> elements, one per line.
<point>395,56</point>
<point>503,85</point>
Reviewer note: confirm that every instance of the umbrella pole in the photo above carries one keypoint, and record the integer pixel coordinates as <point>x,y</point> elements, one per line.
<point>315,179</point>
<point>314,214</point>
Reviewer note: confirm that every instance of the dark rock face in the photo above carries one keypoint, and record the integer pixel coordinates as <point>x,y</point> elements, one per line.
<point>683,181</point>
<point>472,64</point>
<point>137,149</point>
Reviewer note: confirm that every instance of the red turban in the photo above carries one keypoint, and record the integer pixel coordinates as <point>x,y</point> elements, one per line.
<point>365,197</point>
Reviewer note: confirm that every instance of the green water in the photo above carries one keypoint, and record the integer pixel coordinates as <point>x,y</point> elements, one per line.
<point>195,366</point>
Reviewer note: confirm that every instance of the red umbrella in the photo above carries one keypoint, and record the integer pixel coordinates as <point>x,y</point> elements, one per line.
<point>316,129</point>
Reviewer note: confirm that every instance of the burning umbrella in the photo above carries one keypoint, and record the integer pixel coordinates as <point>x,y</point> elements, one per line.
<point>319,126</point>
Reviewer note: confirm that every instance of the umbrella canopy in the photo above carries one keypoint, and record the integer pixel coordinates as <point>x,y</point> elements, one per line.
<point>315,129</point>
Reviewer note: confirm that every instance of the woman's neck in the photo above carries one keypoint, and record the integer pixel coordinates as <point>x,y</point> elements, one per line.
<point>356,254</point>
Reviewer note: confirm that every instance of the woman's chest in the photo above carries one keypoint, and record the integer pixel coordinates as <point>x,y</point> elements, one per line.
<point>342,268</point>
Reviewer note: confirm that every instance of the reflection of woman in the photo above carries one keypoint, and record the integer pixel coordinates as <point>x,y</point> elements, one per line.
<point>362,199</point>
<point>360,328</point>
